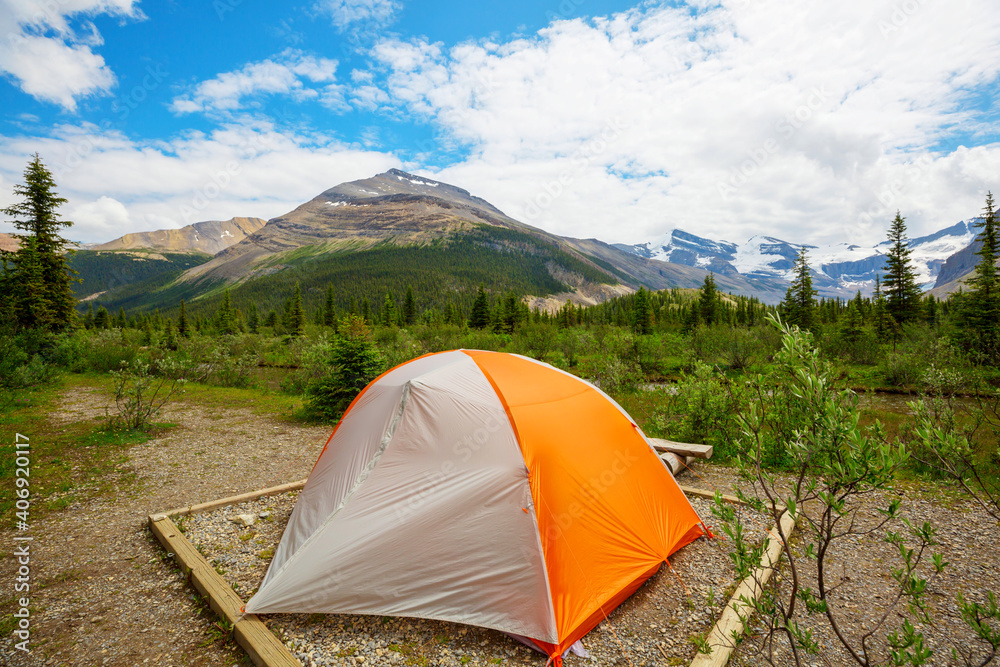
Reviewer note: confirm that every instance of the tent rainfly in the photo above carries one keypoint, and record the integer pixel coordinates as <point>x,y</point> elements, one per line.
<point>481,488</point>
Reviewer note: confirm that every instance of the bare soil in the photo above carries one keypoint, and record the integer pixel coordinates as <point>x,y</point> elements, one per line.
<point>105,593</point>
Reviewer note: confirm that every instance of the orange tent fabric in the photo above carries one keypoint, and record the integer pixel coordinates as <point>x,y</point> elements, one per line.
<point>481,488</point>
<point>609,512</point>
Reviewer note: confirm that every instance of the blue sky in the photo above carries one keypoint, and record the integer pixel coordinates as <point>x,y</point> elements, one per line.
<point>811,121</point>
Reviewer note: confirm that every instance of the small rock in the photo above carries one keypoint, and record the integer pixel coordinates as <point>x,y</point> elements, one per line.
<point>244,519</point>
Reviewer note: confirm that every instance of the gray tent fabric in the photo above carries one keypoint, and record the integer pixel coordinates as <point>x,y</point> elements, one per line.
<point>420,507</point>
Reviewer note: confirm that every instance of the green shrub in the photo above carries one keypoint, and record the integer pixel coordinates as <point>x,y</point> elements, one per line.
<point>70,351</point>
<point>902,370</point>
<point>611,373</point>
<point>22,363</point>
<point>108,349</point>
<point>354,361</point>
<point>701,408</point>
<point>140,394</point>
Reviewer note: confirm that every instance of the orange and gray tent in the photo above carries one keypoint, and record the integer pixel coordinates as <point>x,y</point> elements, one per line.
<point>481,488</point>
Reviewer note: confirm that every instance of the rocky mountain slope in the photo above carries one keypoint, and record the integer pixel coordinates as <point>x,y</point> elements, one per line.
<point>395,207</point>
<point>209,237</point>
<point>396,230</point>
<point>8,243</point>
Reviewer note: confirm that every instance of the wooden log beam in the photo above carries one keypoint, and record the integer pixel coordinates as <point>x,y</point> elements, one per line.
<point>682,448</point>
<point>722,638</point>
<point>233,500</point>
<point>250,632</point>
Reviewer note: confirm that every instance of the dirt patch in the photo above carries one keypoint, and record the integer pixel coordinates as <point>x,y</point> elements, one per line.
<point>103,591</point>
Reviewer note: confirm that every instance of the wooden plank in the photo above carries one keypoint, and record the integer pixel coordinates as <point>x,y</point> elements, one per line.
<point>250,632</point>
<point>729,625</point>
<point>674,462</point>
<point>705,493</point>
<point>682,448</point>
<point>234,500</point>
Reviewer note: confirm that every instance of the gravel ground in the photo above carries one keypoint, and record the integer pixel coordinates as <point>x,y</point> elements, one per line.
<point>651,628</point>
<point>105,594</point>
<point>861,573</point>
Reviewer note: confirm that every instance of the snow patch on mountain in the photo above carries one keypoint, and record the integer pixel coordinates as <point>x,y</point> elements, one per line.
<point>839,269</point>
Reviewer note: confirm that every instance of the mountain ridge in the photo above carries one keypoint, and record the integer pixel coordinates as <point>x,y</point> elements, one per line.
<point>209,237</point>
<point>838,270</point>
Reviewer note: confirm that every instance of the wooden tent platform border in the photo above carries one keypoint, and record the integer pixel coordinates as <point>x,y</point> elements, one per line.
<point>266,650</point>
<point>257,640</point>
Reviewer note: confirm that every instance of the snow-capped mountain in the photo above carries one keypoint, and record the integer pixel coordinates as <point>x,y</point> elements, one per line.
<point>838,270</point>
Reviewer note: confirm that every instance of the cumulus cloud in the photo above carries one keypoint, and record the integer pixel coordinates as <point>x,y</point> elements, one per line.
<point>346,13</point>
<point>106,217</point>
<point>245,167</point>
<point>727,120</point>
<point>49,59</point>
<point>291,73</point>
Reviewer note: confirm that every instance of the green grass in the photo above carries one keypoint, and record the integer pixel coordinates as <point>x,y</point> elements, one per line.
<point>70,462</point>
<point>261,402</point>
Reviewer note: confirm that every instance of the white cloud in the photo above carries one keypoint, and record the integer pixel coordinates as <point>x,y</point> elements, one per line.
<point>106,216</point>
<point>348,12</point>
<point>48,58</point>
<point>245,168</point>
<point>290,73</point>
<point>736,119</point>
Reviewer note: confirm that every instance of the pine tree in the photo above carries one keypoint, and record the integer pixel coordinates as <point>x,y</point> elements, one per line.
<point>902,294</point>
<point>479,318</point>
<point>642,315</point>
<point>253,320</point>
<point>102,320</point>
<point>389,313</point>
<point>225,317</point>
<point>330,309</point>
<point>980,311</point>
<point>409,308</point>
<point>708,302</point>
<point>799,306</point>
<point>36,278</point>
<point>183,328</point>
<point>851,327</point>
<point>297,320</point>
<point>885,326</point>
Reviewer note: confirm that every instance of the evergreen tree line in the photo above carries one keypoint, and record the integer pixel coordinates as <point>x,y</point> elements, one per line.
<point>38,283</point>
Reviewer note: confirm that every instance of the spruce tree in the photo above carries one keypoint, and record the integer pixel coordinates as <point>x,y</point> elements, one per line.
<point>389,314</point>
<point>183,328</point>
<point>799,306</point>
<point>885,326</point>
<point>980,310</point>
<point>36,278</point>
<point>479,318</point>
<point>329,309</point>
<point>297,319</point>
<point>642,314</point>
<point>409,308</point>
<point>102,319</point>
<point>708,302</point>
<point>225,317</point>
<point>902,294</point>
<point>253,320</point>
